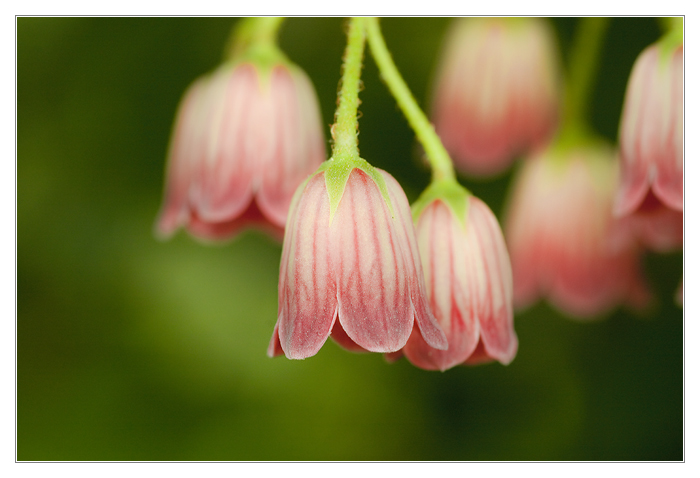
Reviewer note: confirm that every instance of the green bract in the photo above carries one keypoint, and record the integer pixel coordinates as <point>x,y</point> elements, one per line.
<point>449,191</point>
<point>337,174</point>
<point>254,40</point>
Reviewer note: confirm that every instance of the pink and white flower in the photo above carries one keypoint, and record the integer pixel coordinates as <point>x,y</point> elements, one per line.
<point>650,190</point>
<point>244,139</point>
<point>470,287</point>
<point>354,275</point>
<point>497,91</point>
<point>651,132</point>
<point>563,240</point>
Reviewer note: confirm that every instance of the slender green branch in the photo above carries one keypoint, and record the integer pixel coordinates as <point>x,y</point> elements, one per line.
<point>436,153</point>
<point>345,129</point>
<point>583,67</point>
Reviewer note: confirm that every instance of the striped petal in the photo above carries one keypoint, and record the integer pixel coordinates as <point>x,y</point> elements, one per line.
<point>307,290</point>
<point>491,281</point>
<point>425,320</point>
<point>296,139</point>
<point>374,303</point>
<point>442,242</point>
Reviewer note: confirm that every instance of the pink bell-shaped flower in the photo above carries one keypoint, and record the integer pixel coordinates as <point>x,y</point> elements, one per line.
<point>350,267</point>
<point>651,132</point>
<point>650,190</point>
<point>470,286</point>
<point>497,91</point>
<point>563,240</point>
<point>245,137</point>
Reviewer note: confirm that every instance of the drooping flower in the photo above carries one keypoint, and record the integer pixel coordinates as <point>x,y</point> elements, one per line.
<point>563,240</point>
<point>245,137</point>
<point>469,282</point>
<point>497,91</point>
<point>350,266</point>
<point>650,190</point>
<point>651,132</point>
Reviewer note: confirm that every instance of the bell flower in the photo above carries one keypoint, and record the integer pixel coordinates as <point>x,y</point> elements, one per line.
<point>245,137</point>
<point>650,190</point>
<point>563,240</point>
<point>350,266</point>
<point>651,131</point>
<point>497,91</point>
<point>469,282</point>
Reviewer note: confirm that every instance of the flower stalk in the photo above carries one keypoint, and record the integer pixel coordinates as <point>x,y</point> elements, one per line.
<point>583,67</point>
<point>444,183</point>
<point>436,153</point>
<point>255,38</point>
<point>345,129</point>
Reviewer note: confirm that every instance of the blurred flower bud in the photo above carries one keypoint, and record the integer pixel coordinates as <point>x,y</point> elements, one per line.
<point>350,267</point>
<point>245,137</point>
<point>563,240</point>
<point>651,132</point>
<point>650,190</point>
<point>497,91</point>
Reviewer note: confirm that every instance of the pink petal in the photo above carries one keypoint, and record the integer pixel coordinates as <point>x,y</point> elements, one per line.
<point>221,231</point>
<point>442,244</point>
<point>297,138</point>
<point>224,183</point>
<point>669,180</point>
<point>343,339</point>
<point>174,212</point>
<point>491,271</point>
<point>307,290</point>
<point>374,304</point>
<point>426,321</point>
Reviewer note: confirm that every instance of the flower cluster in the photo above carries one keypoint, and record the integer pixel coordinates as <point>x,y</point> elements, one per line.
<point>433,282</point>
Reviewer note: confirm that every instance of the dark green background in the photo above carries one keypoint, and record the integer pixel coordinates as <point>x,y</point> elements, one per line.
<point>132,349</point>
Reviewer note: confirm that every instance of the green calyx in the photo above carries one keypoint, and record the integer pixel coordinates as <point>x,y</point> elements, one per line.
<point>576,137</point>
<point>672,39</point>
<point>450,192</point>
<point>254,40</point>
<point>337,172</point>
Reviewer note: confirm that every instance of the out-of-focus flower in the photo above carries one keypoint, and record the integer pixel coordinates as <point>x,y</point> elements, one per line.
<point>350,267</point>
<point>245,137</point>
<point>563,240</point>
<point>679,295</point>
<point>651,132</point>
<point>470,285</point>
<point>497,91</point>
<point>650,190</point>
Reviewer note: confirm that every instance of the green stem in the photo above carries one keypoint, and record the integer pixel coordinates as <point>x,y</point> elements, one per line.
<point>583,67</point>
<point>436,153</point>
<point>257,32</point>
<point>345,129</point>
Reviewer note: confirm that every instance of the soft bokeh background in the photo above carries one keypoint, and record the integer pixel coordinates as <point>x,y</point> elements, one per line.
<point>132,349</point>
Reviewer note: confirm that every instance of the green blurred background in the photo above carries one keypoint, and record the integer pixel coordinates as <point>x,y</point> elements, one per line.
<point>132,349</point>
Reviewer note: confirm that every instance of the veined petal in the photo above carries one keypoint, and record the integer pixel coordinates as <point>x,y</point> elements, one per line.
<point>426,321</point>
<point>182,151</point>
<point>298,141</point>
<point>307,297</point>
<point>224,186</point>
<point>488,257</point>
<point>669,180</point>
<point>374,304</point>
<point>442,244</point>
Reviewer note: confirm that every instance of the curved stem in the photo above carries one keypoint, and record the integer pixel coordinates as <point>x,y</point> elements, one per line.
<point>436,153</point>
<point>345,128</point>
